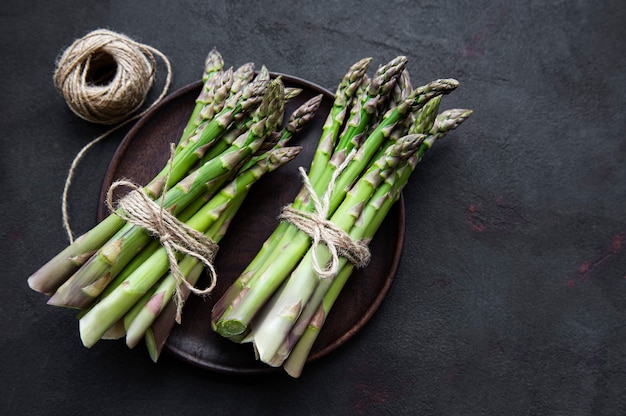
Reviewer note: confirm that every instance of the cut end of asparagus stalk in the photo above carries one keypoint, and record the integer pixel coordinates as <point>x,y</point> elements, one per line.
<point>136,329</point>
<point>117,331</point>
<point>230,328</point>
<point>54,273</point>
<point>41,285</point>
<point>87,337</point>
<point>153,351</point>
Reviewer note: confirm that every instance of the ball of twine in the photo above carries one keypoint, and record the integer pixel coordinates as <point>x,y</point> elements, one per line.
<point>105,76</point>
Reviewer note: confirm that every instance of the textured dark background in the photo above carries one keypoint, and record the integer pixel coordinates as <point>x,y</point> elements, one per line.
<point>511,295</point>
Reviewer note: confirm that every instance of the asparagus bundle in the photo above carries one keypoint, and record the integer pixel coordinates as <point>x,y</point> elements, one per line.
<point>376,133</point>
<point>122,273</point>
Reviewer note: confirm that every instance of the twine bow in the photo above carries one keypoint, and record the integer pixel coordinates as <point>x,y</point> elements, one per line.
<point>137,208</point>
<point>321,230</point>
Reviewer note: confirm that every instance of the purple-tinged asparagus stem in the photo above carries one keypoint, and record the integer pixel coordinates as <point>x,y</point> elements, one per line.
<point>108,310</point>
<point>273,329</point>
<point>295,352</point>
<point>344,96</point>
<point>156,336</point>
<point>59,269</point>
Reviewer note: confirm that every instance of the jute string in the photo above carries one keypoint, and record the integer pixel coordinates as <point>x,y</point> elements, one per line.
<point>323,231</point>
<point>137,208</point>
<point>113,99</point>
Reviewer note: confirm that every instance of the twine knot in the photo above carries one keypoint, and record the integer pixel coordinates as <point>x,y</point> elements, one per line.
<point>175,236</point>
<point>321,230</point>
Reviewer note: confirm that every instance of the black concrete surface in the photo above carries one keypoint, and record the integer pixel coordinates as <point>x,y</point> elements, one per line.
<point>511,295</point>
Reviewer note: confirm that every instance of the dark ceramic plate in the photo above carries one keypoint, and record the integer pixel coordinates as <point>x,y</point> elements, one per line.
<point>145,150</point>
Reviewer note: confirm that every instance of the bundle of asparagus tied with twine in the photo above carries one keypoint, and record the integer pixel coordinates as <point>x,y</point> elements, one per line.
<point>157,241</point>
<point>375,134</point>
